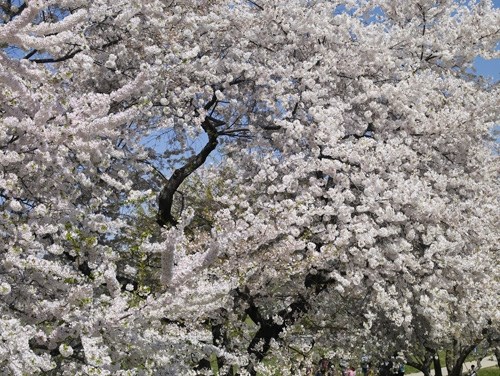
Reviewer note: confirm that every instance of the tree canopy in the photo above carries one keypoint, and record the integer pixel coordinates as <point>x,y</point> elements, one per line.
<point>244,185</point>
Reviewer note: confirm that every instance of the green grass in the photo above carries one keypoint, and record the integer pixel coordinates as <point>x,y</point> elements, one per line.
<point>410,369</point>
<point>490,371</point>
<point>442,360</point>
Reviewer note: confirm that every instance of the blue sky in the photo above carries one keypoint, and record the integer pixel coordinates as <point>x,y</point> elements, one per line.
<point>489,68</point>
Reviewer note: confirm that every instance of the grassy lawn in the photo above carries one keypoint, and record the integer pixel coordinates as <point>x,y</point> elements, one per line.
<point>490,371</point>
<point>410,369</point>
<point>442,360</point>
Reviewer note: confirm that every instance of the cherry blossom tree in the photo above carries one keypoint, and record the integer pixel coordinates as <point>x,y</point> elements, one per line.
<point>352,207</point>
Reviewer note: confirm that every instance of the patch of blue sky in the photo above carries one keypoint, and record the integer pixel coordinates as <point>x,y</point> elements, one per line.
<point>489,68</point>
<point>341,9</point>
<point>53,13</point>
<point>17,52</point>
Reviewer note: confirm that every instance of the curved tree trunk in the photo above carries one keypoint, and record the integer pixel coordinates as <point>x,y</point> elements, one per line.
<point>171,185</point>
<point>166,197</point>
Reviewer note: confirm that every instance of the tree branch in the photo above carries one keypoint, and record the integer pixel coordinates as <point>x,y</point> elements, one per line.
<point>255,4</point>
<point>166,197</point>
<point>69,55</point>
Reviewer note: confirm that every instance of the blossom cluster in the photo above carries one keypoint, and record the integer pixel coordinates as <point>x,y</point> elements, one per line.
<point>351,201</point>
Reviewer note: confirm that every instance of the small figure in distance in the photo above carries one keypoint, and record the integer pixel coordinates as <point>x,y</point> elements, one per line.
<point>401,369</point>
<point>371,370</point>
<point>472,371</point>
<point>351,371</point>
<point>323,368</point>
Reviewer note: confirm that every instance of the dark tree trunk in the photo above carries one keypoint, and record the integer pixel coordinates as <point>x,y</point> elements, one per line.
<point>209,125</point>
<point>219,339</point>
<point>437,365</point>
<point>462,352</point>
<point>423,364</point>
<point>166,197</point>
<point>426,370</point>
<point>268,329</point>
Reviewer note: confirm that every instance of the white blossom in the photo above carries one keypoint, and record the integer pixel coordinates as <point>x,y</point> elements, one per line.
<point>4,288</point>
<point>339,183</point>
<point>65,350</point>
